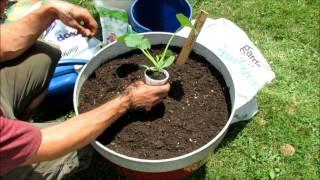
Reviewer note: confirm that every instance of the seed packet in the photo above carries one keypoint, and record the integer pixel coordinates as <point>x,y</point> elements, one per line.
<point>64,37</point>
<point>57,34</point>
<point>114,21</point>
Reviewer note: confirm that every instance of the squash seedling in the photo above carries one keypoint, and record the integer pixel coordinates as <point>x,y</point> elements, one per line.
<point>156,74</point>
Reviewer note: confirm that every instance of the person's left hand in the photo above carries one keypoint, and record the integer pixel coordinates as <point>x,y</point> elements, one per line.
<point>75,16</point>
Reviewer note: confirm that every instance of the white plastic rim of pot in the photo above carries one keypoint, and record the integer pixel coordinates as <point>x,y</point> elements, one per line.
<point>154,82</point>
<point>162,165</point>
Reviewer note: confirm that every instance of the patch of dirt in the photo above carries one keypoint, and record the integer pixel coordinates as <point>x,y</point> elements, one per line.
<point>288,150</point>
<point>195,111</point>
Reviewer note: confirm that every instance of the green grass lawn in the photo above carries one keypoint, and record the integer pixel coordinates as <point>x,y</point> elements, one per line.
<point>287,32</point>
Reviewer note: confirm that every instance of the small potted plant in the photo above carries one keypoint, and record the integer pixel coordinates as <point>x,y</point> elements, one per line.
<point>156,74</point>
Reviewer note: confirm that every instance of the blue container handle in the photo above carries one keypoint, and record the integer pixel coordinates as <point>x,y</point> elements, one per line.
<point>63,62</point>
<point>66,69</point>
<point>63,84</point>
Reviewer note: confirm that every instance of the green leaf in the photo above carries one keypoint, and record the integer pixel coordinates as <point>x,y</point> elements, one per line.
<point>145,44</point>
<point>137,41</point>
<point>166,56</point>
<point>169,53</point>
<point>168,62</point>
<point>184,21</point>
<point>122,38</point>
<point>133,40</point>
<point>158,57</point>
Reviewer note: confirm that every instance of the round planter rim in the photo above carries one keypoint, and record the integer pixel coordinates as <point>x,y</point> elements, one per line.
<point>156,161</point>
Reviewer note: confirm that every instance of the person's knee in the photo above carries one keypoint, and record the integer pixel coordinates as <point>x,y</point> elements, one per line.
<point>45,66</point>
<point>41,62</point>
<point>53,54</point>
<point>46,57</point>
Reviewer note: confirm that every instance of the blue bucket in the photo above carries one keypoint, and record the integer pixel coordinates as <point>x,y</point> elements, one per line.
<point>61,86</point>
<point>158,15</point>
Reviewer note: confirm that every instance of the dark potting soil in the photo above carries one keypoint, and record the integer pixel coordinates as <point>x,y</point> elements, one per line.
<point>156,75</point>
<point>195,111</point>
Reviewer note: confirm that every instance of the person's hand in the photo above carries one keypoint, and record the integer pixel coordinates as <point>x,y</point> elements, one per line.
<point>145,96</point>
<point>73,16</point>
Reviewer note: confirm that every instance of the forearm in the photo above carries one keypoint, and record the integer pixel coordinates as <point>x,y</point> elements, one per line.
<point>79,131</point>
<point>18,36</point>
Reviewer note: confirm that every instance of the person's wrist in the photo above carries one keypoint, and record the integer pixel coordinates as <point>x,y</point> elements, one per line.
<point>127,94</point>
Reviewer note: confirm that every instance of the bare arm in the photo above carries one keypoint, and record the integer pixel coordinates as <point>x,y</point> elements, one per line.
<point>79,131</point>
<point>17,37</point>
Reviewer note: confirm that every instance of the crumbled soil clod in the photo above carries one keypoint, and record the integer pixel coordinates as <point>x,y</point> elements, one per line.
<point>195,111</point>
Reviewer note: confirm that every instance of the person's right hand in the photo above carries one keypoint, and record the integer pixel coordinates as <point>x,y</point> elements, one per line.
<point>145,96</point>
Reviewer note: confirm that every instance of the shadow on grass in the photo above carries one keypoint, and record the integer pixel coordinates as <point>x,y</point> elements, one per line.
<point>47,113</point>
<point>99,169</point>
<point>232,133</point>
<point>200,174</point>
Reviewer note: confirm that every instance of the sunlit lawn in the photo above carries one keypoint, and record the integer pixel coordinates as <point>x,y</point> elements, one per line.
<point>287,32</point>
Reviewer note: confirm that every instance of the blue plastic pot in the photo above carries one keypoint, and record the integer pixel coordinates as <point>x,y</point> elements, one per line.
<point>158,15</point>
<point>64,77</point>
<point>62,83</point>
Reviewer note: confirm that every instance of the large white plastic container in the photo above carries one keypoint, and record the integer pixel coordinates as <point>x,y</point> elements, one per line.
<point>171,168</point>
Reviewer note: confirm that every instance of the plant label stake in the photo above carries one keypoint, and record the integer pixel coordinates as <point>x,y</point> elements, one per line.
<point>190,42</point>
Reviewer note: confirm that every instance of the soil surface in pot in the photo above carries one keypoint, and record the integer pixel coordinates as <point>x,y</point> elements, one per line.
<point>156,75</point>
<point>195,111</point>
